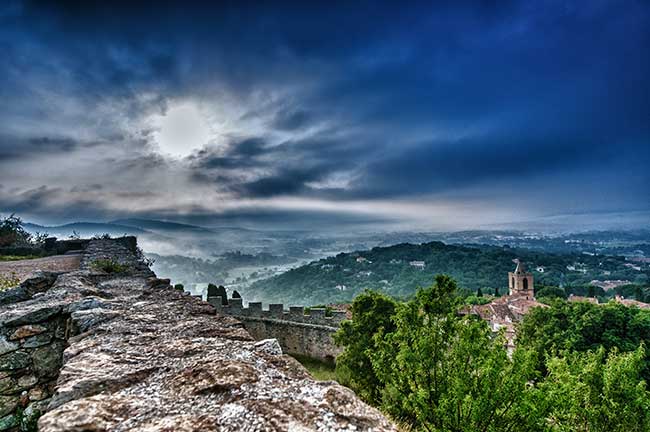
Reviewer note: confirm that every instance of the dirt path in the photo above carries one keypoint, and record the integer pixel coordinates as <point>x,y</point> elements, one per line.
<point>21,269</point>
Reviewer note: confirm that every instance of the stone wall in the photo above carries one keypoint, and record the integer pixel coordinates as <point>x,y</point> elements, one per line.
<point>34,328</point>
<point>31,351</point>
<point>298,333</point>
<point>128,352</point>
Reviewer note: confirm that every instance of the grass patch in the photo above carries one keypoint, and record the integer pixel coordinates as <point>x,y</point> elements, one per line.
<point>109,266</point>
<point>8,281</point>
<point>320,370</point>
<point>17,257</point>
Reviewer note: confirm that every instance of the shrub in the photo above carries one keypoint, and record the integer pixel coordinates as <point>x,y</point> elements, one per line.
<point>109,266</point>
<point>179,287</point>
<point>13,233</point>
<point>551,292</point>
<point>10,281</point>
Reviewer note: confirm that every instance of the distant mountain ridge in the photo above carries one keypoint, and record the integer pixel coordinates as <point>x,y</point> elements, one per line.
<point>83,228</point>
<point>158,225</point>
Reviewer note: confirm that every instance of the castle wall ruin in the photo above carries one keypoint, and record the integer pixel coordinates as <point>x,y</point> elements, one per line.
<point>126,351</point>
<point>297,332</point>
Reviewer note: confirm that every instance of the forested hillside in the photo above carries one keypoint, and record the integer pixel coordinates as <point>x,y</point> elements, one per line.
<point>391,270</point>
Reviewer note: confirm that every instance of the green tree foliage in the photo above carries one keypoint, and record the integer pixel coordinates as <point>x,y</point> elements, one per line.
<point>591,291</point>
<point>597,392</point>
<point>371,314</point>
<point>582,326</point>
<point>12,232</point>
<point>479,293</point>
<point>577,367</point>
<point>550,292</point>
<point>235,294</point>
<point>218,291</point>
<point>444,372</point>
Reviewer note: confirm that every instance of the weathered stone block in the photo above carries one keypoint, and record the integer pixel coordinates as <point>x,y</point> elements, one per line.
<point>27,381</point>
<point>85,319</point>
<point>38,340</point>
<point>296,313</point>
<point>316,316</point>
<point>8,422</point>
<point>8,404</point>
<point>48,360</point>
<point>276,310</point>
<point>7,385</point>
<point>88,303</point>
<point>33,316</point>
<point>6,346</point>
<point>15,360</point>
<point>255,309</point>
<point>235,304</point>
<point>11,385</point>
<point>38,393</point>
<point>27,331</point>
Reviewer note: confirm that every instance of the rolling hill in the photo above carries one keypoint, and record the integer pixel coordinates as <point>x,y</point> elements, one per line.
<point>390,270</point>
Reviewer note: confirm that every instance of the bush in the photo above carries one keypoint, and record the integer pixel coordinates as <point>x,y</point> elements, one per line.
<point>551,292</point>
<point>328,309</point>
<point>12,232</point>
<point>218,291</point>
<point>10,281</point>
<point>109,266</point>
<point>179,287</point>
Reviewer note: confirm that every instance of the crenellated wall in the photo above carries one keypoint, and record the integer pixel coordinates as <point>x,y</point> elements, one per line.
<point>92,350</point>
<point>297,332</point>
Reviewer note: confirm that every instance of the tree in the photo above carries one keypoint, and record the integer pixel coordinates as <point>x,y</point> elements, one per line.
<point>12,232</point>
<point>591,291</point>
<point>212,290</point>
<point>479,293</point>
<point>220,291</point>
<point>596,391</point>
<point>565,327</point>
<point>236,294</point>
<point>444,372</point>
<point>551,292</point>
<point>496,292</point>
<point>371,314</point>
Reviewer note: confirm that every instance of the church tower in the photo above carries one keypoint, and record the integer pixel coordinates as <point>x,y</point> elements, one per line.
<point>520,282</point>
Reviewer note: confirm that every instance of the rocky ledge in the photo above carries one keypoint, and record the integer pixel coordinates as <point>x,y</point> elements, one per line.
<point>129,352</point>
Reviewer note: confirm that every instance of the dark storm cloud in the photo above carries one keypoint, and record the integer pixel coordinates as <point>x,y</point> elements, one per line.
<point>281,169</point>
<point>12,147</point>
<point>401,100</point>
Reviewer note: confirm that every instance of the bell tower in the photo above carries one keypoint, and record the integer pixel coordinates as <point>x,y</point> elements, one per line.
<point>520,282</point>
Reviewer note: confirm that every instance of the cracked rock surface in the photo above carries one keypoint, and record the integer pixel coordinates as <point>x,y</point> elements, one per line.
<point>142,356</point>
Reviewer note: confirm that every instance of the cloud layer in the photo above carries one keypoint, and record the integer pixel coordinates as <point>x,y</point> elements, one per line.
<point>452,115</point>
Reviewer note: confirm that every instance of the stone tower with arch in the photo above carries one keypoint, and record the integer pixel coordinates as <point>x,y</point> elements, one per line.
<point>520,282</point>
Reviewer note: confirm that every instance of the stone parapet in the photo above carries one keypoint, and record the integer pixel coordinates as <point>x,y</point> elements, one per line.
<point>128,352</point>
<point>308,334</point>
<point>277,311</point>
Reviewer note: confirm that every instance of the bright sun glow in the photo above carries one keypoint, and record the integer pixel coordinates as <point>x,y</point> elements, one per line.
<point>181,130</point>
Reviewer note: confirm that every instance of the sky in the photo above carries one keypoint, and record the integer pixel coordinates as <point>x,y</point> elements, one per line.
<point>436,115</point>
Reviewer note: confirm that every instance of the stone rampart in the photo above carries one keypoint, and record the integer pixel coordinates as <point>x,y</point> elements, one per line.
<point>308,334</point>
<point>128,352</point>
